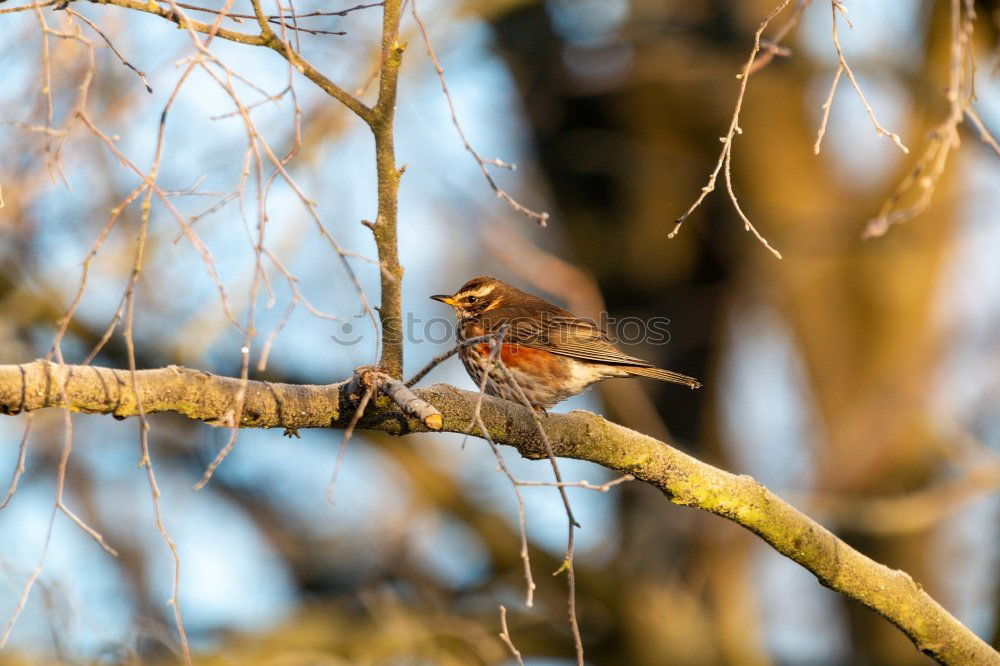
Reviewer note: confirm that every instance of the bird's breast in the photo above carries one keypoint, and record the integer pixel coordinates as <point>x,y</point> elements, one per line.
<point>469,329</point>
<point>527,359</point>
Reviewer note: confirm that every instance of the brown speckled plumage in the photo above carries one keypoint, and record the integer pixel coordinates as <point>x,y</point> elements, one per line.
<point>551,353</point>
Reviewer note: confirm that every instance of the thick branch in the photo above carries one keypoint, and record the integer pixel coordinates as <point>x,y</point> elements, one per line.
<point>683,479</point>
<point>382,126</point>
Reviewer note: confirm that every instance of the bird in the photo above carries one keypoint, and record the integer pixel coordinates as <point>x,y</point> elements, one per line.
<point>548,352</point>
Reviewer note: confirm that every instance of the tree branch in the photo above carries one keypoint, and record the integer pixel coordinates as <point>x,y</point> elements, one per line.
<point>267,38</point>
<point>683,479</point>
<point>379,118</point>
<point>198,26</point>
<point>382,126</point>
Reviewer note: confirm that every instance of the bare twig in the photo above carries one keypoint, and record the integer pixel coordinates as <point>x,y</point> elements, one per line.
<point>59,506</point>
<point>440,358</point>
<point>374,383</point>
<point>923,177</point>
<point>539,216</point>
<point>22,452</point>
<point>505,636</point>
<point>772,48</point>
<point>407,401</point>
<point>139,73</point>
<point>570,518</point>
<point>496,342</point>
<point>270,40</point>
<point>25,8</point>
<point>603,487</point>
<point>29,583</point>
<point>984,132</point>
<point>842,68</point>
<point>52,154</point>
<point>827,105</point>
<point>276,19</point>
<point>727,141</point>
<point>359,411</point>
<point>266,351</point>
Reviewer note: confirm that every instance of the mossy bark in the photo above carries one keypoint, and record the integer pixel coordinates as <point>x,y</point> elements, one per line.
<point>388,174</point>
<point>582,435</point>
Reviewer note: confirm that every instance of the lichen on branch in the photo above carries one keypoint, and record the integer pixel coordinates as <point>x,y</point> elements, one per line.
<point>581,435</point>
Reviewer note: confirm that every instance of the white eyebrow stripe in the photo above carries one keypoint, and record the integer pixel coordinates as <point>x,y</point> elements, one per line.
<point>478,293</point>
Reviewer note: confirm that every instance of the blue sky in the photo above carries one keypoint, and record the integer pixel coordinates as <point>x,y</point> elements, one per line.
<point>777,428</point>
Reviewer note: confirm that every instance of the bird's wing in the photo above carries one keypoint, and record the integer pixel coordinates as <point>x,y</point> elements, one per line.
<point>560,332</point>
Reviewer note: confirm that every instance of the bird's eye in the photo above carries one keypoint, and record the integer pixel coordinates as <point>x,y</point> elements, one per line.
<point>470,299</point>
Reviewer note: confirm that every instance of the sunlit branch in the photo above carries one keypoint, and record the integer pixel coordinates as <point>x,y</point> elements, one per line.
<point>539,216</point>
<point>268,39</point>
<point>581,435</point>
<point>382,123</point>
<point>724,163</point>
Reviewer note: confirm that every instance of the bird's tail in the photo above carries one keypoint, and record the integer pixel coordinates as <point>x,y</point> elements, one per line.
<point>664,375</point>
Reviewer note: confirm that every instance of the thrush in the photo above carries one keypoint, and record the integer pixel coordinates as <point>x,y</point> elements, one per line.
<point>549,353</point>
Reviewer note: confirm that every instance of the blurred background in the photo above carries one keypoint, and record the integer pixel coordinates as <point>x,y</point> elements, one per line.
<point>857,379</point>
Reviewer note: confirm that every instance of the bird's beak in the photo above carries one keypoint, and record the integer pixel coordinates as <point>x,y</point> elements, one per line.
<point>446,299</point>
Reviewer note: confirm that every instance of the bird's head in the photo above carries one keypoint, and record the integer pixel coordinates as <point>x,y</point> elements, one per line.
<point>475,297</point>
